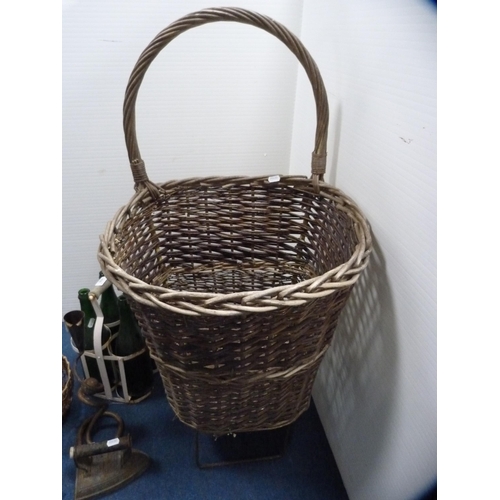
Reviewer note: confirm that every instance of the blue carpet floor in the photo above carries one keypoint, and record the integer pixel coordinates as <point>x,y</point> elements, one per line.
<point>306,470</point>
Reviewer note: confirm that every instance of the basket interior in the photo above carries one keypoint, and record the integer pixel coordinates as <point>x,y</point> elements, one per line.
<point>219,239</point>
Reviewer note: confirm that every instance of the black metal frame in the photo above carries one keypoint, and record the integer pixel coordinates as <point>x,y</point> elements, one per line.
<point>272,456</point>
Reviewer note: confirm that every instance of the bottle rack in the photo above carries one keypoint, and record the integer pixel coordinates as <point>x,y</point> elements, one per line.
<point>112,388</point>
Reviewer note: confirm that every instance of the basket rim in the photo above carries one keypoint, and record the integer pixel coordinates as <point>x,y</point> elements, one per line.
<point>229,304</point>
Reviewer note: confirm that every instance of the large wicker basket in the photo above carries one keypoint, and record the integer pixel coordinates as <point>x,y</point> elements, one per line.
<point>237,282</point>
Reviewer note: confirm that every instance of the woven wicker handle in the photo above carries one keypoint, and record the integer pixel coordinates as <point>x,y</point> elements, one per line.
<point>209,16</point>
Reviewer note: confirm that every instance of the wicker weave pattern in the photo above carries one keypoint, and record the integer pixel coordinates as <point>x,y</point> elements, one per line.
<point>237,282</point>
<point>207,246</point>
<point>244,372</point>
<point>218,409</point>
<point>67,390</point>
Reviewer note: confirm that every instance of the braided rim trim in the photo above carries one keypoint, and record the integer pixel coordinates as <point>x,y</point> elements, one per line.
<point>202,303</point>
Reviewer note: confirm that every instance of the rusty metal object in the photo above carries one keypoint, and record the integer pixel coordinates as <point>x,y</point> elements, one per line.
<point>103,466</point>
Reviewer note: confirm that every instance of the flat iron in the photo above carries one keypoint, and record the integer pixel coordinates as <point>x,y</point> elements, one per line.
<point>103,467</point>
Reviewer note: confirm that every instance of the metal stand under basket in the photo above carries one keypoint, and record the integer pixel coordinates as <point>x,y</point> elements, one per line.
<point>245,447</point>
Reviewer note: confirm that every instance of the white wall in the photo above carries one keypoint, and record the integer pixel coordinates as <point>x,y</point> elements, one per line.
<point>217,101</point>
<point>376,390</point>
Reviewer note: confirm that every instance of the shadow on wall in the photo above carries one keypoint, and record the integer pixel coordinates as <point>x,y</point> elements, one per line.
<point>357,379</point>
<point>333,138</point>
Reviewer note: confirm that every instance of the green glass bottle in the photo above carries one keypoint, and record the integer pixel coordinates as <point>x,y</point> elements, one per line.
<point>138,369</point>
<point>88,339</point>
<point>109,306</point>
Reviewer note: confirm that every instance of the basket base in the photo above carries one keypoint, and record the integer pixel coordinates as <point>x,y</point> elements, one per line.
<point>238,406</point>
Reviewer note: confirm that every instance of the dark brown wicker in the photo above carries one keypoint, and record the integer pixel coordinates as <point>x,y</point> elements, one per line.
<point>237,282</point>
<point>67,386</point>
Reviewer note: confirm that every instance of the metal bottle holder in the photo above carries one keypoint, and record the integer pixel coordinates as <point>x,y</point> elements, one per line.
<point>117,363</point>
